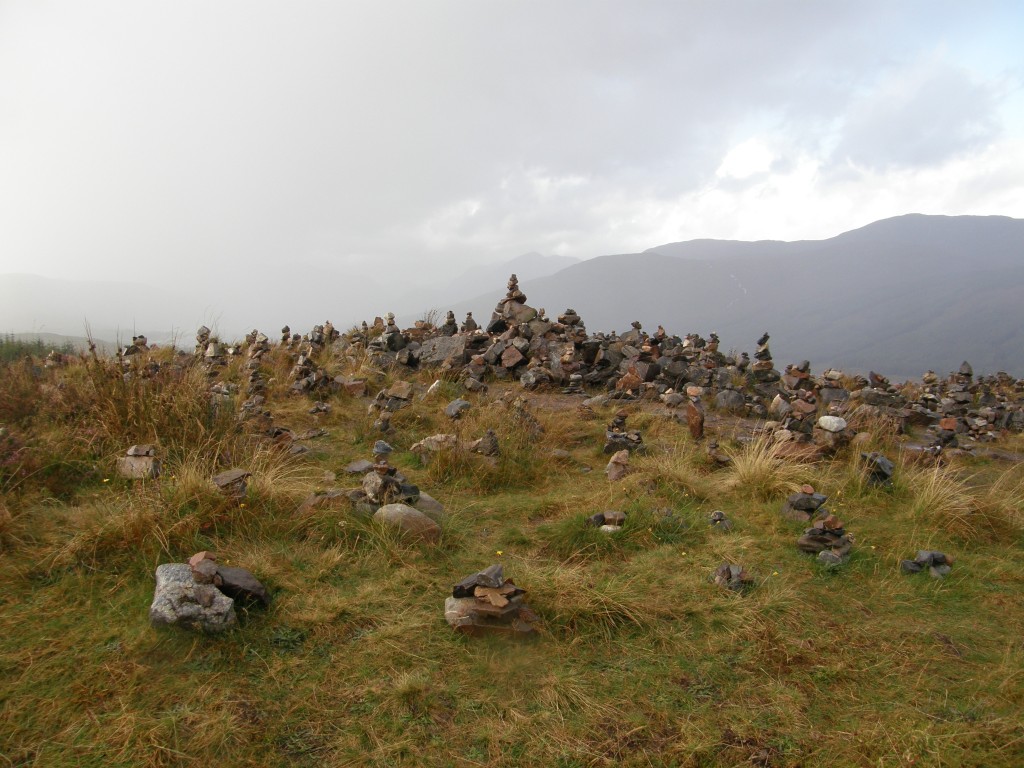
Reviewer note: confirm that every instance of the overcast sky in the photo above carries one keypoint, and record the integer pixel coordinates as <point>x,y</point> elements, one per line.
<point>167,141</point>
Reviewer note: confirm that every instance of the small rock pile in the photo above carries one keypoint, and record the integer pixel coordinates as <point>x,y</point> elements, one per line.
<point>618,438</point>
<point>828,540</point>
<point>610,521</point>
<point>719,521</point>
<point>139,463</point>
<point>938,563</point>
<point>487,602</point>
<point>802,506</point>
<point>201,595</point>
<point>732,577</point>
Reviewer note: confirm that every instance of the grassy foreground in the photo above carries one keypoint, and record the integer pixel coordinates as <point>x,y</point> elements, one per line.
<point>641,661</point>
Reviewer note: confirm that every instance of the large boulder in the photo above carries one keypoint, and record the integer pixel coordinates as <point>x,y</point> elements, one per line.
<point>180,601</point>
<point>442,349</point>
<point>410,522</point>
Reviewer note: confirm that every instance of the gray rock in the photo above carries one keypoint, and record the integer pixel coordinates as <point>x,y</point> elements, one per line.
<point>880,469</point>
<point>730,401</point>
<point>939,571</point>
<point>410,522</point>
<point>832,423</point>
<point>430,507</point>
<point>360,467</point>
<point>442,349</point>
<point>180,601</point>
<point>456,408</point>
<point>239,584</point>
<point>232,482</point>
<point>135,467</point>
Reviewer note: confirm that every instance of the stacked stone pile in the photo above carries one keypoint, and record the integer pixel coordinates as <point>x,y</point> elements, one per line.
<point>938,564</point>
<point>139,463</point>
<point>804,506</point>
<point>618,438</point>
<point>827,539</point>
<point>609,521</point>
<point>488,603</point>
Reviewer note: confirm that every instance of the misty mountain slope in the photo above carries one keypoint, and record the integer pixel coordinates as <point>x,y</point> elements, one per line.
<point>901,295</point>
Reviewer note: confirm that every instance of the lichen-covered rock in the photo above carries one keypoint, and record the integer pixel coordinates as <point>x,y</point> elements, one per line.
<point>180,601</point>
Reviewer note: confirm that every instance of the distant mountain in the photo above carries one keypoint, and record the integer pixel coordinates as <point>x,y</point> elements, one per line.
<point>901,295</point>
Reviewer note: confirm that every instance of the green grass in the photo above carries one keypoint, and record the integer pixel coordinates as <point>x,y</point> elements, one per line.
<point>640,660</point>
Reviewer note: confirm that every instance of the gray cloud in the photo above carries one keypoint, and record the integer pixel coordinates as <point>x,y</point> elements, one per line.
<point>232,143</point>
<point>919,117</point>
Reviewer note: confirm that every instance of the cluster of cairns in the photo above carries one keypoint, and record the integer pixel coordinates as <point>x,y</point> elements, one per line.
<point>488,603</point>
<point>805,413</point>
<point>202,594</point>
<point>386,496</point>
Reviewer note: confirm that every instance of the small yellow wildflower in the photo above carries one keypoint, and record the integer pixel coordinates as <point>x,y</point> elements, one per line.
<point>499,552</point>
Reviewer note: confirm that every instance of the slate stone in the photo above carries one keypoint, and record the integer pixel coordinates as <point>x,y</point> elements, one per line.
<point>456,408</point>
<point>240,585</point>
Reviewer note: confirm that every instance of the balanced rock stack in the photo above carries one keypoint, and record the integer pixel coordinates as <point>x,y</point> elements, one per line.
<point>617,438</point>
<point>828,540</point>
<point>487,602</point>
<point>512,310</point>
<point>938,563</point>
<point>764,369</point>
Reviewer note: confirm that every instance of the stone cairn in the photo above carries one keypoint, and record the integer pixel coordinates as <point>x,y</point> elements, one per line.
<point>139,463</point>
<point>450,327</point>
<point>803,506</point>
<point>827,539</point>
<point>618,438</point>
<point>719,521</point>
<point>487,602</point>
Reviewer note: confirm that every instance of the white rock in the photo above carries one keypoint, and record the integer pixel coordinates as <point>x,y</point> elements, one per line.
<point>832,423</point>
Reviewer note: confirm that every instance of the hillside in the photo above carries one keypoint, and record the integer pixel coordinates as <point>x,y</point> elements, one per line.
<point>881,629</point>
